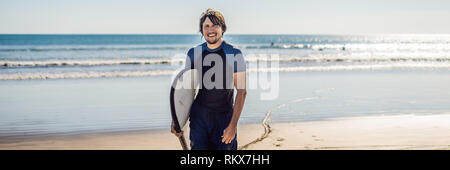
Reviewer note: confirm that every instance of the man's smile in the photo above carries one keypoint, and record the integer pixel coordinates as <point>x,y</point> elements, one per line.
<point>212,35</point>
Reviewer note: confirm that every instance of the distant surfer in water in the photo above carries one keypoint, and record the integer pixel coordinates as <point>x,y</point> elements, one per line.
<point>214,115</point>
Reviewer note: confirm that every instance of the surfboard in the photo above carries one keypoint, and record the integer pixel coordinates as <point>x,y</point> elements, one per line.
<point>182,94</point>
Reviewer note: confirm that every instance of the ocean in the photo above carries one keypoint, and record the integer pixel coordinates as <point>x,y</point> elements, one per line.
<point>64,84</point>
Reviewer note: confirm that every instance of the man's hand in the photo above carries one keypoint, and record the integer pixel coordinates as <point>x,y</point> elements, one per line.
<point>228,134</point>
<point>240,83</point>
<point>172,129</point>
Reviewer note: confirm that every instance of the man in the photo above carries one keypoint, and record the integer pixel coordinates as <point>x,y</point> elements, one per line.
<point>213,117</point>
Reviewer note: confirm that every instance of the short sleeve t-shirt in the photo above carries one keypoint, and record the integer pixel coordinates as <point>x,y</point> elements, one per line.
<point>217,67</point>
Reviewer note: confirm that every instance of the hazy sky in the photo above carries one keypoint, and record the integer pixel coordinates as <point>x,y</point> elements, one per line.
<point>242,16</point>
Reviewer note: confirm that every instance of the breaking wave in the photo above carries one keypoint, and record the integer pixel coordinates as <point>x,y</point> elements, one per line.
<point>104,48</point>
<point>93,74</point>
<point>52,63</point>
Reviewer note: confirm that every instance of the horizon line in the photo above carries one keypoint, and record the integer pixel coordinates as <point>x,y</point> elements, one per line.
<point>225,34</point>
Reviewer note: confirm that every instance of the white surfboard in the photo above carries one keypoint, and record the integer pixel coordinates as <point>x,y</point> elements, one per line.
<point>182,94</point>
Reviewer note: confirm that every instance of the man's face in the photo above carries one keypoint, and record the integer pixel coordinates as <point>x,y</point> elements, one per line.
<point>211,32</point>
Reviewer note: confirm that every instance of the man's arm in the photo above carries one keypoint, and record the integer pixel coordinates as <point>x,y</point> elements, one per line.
<point>240,84</point>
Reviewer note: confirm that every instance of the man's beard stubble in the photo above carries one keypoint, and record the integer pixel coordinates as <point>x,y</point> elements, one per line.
<point>214,41</point>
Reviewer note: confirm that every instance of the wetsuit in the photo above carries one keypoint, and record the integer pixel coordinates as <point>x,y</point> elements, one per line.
<point>212,109</point>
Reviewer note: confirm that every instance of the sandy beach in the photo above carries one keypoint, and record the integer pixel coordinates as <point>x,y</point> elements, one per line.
<point>376,132</point>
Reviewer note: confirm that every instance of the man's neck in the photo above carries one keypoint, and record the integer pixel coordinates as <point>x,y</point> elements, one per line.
<point>214,46</point>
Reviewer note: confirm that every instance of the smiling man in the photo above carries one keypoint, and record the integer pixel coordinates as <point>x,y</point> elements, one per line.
<point>214,115</point>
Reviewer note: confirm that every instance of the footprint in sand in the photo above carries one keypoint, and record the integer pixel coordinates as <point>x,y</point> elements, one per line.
<point>279,142</point>
<point>280,139</point>
<point>316,138</point>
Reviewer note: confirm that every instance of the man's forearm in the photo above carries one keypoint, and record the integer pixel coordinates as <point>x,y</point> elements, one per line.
<point>238,105</point>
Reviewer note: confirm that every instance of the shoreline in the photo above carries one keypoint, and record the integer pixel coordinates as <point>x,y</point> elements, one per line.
<point>362,132</point>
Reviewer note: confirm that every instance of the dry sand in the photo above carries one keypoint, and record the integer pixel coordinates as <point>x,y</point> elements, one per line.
<point>380,132</point>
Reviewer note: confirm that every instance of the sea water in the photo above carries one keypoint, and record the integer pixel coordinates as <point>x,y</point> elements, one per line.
<point>60,84</point>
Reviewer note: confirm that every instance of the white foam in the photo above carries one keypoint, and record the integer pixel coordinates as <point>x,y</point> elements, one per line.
<point>357,46</point>
<point>85,62</point>
<point>349,59</point>
<point>51,63</point>
<point>67,75</point>
<point>355,67</point>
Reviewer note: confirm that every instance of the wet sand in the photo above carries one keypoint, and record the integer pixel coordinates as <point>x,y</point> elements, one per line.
<point>377,132</point>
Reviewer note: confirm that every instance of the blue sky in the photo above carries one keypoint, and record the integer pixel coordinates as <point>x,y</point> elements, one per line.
<point>242,16</point>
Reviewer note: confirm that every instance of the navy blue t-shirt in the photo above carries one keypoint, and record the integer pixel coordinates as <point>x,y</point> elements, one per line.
<point>217,67</point>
